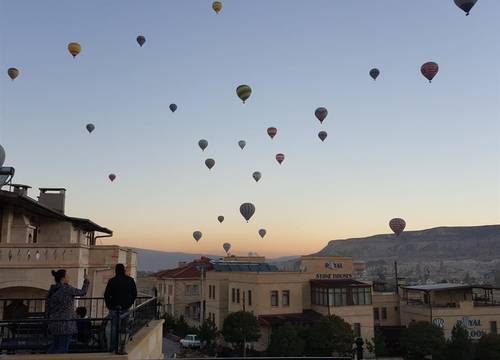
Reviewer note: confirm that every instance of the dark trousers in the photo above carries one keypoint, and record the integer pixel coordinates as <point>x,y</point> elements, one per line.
<point>60,344</point>
<point>118,330</point>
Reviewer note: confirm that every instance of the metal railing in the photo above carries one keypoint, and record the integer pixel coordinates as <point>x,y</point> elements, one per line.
<point>26,328</point>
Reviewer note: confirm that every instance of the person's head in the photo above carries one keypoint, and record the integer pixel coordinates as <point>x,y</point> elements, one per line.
<point>120,269</point>
<point>81,311</point>
<point>60,276</point>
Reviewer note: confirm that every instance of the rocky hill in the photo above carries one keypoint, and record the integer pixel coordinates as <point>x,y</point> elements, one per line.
<point>441,243</point>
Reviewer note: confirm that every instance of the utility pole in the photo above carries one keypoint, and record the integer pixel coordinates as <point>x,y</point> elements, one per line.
<point>396,276</point>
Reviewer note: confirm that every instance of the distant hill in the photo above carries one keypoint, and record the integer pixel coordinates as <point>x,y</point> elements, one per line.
<point>153,260</point>
<point>467,254</point>
<point>441,243</point>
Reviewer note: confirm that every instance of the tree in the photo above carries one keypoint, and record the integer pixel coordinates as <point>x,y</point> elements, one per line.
<point>459,347</point>
<point>421,339</point>
<point>285,342</point>
<point>488,347</point>
<point>239,328</point>
<point>181,327</point>
<point>329,335</point>
<point>208,332</point>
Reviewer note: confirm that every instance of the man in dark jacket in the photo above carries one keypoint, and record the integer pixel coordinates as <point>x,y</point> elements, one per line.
<point>119,296</point>
<point>121,291</point>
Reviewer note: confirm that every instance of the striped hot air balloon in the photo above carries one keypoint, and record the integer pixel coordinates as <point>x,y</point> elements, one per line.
<point>429,70</point>
<point>13,73</point>
<point>247,210</point>
<point>74,48</point>
<point>244,92</point>
<point>397,225</point>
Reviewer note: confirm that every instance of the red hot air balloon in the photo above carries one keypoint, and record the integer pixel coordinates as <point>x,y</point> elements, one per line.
<point>429,70</point>
<point>321,114</point>
<point>272,131</point>
<point>397,225</point>
<point>280,158</point>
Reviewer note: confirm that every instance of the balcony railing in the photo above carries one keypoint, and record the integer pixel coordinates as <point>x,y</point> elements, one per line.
<point>27,331</point>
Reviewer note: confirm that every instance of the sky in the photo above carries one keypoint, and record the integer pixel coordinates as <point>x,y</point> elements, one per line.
<point>396,147</point>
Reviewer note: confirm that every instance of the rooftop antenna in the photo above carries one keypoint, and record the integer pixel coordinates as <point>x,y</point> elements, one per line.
<point>6,175</point>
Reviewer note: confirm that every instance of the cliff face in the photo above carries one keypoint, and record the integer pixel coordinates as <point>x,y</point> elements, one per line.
<point>481,243</point>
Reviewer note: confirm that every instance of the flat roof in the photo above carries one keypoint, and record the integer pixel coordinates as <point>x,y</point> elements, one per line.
<point>448,286</point>
<point>338,283</point>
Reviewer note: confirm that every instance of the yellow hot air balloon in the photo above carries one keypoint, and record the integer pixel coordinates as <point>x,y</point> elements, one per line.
<point>243,92</point>
<point>74,48</point>
<point>217,6</point>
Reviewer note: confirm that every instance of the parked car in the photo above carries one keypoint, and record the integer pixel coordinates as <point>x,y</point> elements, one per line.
<point>191,341</point>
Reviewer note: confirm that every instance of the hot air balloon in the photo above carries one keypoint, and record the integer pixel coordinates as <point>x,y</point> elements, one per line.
<point>217,6</point>
<point>220,218</point>
<point>256,175</point>
<point>74,48</point>
<point>322,135</point>
<point>243,92</point>
<point>172,107</point>
<point>112,177</point>
<point>247,210</point>
<point>242,144</point>
<point>280,158</point>
<point>397,225</point>
<point>226,247</point>
<point>197,235</point>
<point>203,144</point>
<point>141,40</point>
<point>321,114</point>
<point>429,70</point>
<point>2,155</point>
<point>374,73</point>
<point>465,5</point>
<point>13,73</point>
<point>90,127</point>
<point>210,163</point>
<point>272,131</point>
<point>262,233</point>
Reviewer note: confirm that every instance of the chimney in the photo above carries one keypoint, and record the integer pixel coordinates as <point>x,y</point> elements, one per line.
<point>53,198</point>
<point>20,189</point>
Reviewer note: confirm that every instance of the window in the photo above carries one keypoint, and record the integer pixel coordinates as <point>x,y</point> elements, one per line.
<point>249,297</point>
<point>233,297</point>
<point>274,298</point>
<point>357,329</point>
<point>376,314</point>
<point>195,290</point>
<point>170,289</point>
<point>285,298</point>
<point>238,296</point>
<point>493,327</point>
<point>384,313</point>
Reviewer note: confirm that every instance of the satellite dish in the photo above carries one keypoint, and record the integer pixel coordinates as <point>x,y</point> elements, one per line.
<point>6,175</point>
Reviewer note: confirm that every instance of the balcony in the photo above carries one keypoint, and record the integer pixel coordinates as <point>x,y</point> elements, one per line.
<point>24,326</point>
<point>31,255</point>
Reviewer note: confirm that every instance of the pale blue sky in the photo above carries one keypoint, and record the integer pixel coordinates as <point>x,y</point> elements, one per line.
<point>399,146</point>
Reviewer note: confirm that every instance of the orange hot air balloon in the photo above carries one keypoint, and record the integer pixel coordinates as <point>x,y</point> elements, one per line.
<point>280,158</point>
<point>397,225</point>
<point>272,131</point>
<point>429,70</point>
<point>74,48</point>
